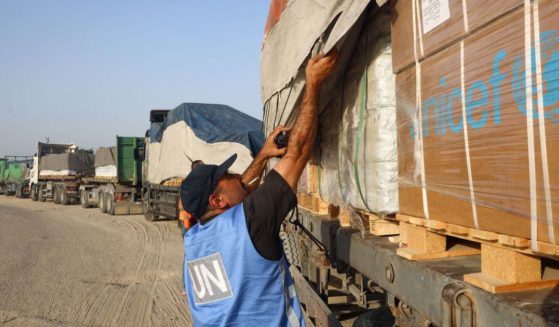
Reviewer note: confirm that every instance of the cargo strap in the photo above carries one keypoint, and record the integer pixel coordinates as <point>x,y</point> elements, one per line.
<point>294,219</point>
<point>361,127</point>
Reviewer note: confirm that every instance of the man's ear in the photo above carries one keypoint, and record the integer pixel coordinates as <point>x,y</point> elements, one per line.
<point>216,201</point>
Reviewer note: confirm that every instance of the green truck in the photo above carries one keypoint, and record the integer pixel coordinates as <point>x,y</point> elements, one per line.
<point>3,164</point>
<point>116,188</point>
<point>15,175</point>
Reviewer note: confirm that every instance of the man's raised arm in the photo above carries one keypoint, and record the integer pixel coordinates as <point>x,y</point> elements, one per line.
<point>302,135</point>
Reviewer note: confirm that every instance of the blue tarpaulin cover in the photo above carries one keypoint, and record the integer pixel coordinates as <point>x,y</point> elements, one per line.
<point>214,123</point>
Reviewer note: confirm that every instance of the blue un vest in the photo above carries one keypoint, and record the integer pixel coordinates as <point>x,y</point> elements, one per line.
<point>228,283</point>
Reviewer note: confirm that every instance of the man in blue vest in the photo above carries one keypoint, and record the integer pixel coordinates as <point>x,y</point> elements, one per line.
<point>235,271</point>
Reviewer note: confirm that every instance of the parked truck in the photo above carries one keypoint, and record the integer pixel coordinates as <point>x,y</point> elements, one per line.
<point>3,164</point>
<point>190,132</point>
<point>57,172</point>
<point>116,188</point>
<point>413,209</point>
<point>15,176</point>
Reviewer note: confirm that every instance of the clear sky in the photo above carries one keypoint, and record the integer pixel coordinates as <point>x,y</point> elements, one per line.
<point>84,71</point>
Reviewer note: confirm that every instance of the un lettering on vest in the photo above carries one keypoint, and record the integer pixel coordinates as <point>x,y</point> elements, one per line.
<point>209,279</point>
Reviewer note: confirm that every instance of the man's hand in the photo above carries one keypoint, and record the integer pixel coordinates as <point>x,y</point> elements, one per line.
<point>320,66</point>
<point>251,177</point>
<point>269,150</point>
<point>302,135</point>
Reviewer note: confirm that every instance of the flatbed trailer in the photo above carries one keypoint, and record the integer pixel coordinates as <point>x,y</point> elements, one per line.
<point>60,189</point>
<point>418,293</point>
<point>161,201</point>
<point>120,194</point>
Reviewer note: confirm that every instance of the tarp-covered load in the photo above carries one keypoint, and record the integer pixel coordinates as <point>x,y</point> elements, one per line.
<point>105,162</point>
<point>356,149</point>
<point>67,164</point>
<point>207,132</point>
<point>3,166</point>
<point>15,172</point>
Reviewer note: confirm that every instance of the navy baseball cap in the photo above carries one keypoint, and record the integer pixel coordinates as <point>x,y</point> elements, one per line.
<point>197,187</point>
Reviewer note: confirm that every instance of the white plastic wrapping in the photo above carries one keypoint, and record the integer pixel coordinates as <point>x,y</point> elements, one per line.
<point>106,171</point>
<point>179,147</point>
<point>358,140</point>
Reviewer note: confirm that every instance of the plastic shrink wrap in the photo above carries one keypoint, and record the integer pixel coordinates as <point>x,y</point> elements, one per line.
<point>356,148</point>
<point>477,147</point>
<point>105,163</point>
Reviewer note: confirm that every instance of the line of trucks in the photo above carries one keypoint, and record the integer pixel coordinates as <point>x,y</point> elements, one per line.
<point>109,179</point>
<point>407,70</point>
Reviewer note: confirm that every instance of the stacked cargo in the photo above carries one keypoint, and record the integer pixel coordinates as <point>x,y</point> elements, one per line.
<point>67,164</point>
<point>16,177</point>
<point>355,164</point>
<point>475,160</point>
<point>105,163</point>
<point>474,153</point>
<point>57,172</point>
<point>193,131</point>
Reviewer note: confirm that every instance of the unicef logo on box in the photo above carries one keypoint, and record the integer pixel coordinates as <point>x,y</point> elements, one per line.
<point>550,78</point>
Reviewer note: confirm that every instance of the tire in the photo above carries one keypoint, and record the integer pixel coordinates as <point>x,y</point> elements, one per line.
<point>378,317</point>
<point>110,198</point>
<point>102,204</point>
<point>55,195</point>
<point>148,214</point>
<point>41,195</point>
<point>64,197</point>
<point>34,196</point>
<point>83,199</point>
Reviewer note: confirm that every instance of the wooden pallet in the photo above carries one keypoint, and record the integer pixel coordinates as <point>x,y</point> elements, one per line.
<point>370,223</point>
<point>518,244</point>
<point>173,182</point>
<point>507,263</point>
<point>100,179</point>
<point>317,206</point>
<point>58,177</point>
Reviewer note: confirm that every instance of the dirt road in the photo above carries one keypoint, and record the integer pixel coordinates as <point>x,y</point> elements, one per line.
<point>68,266</point>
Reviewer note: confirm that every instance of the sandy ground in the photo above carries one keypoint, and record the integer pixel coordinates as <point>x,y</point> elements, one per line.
<point>69,266</point>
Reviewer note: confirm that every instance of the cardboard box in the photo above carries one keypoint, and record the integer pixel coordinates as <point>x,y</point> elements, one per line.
<point>439,23</point>
<point>494,104</point>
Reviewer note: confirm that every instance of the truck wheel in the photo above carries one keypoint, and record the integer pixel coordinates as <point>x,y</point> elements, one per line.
<point>64,197</point>
<point>83,199</point>
<point>55,195</point>
<point>148,214</point>
<point>110,204</point>
<point>34,193</point>
<point>41,195</point>
<point>378,317</point>
<point>102,204</point>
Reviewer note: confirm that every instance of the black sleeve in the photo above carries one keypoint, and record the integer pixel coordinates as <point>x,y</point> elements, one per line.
<point>265,209</point>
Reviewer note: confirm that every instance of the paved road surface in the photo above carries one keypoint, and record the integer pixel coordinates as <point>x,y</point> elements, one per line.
<point>68,266</point>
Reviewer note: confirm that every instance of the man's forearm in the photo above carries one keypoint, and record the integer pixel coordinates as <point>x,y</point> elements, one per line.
<point>252,175</point>
<point>304,130</point>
